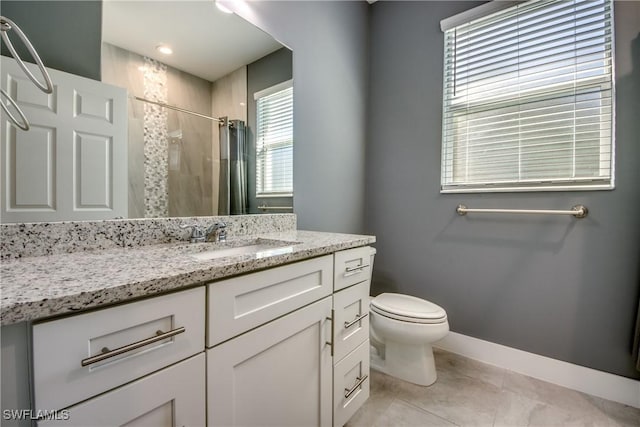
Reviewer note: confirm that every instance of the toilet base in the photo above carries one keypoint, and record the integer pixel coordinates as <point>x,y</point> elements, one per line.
<point>411,363</point>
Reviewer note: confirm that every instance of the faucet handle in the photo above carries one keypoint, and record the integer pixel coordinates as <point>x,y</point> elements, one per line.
<point>197,232</point>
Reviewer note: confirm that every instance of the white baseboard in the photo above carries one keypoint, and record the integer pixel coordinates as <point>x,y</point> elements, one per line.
<point>597,383</point>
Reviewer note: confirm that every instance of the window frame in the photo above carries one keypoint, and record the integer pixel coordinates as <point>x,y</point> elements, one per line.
<point>519,184</point>
<point>260,193</point>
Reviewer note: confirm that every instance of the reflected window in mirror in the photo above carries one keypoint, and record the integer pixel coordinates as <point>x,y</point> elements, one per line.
<point>274,141</point>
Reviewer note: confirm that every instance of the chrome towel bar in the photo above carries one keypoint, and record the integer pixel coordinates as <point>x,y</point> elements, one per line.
<point>578,211</point>
<point>267,208</point>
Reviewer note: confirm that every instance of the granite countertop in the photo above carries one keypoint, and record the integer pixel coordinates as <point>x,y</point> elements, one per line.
<point>38,287</point>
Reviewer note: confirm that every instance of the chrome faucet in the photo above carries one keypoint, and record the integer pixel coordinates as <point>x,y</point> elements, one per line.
<point>201,234</point>
<point>220,231</point>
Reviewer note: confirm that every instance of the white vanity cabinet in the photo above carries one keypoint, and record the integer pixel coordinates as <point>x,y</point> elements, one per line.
<point>289,346</point>
<point>285,346</point>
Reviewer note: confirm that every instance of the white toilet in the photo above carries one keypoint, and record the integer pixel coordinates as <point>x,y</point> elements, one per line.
<point>402,329</point>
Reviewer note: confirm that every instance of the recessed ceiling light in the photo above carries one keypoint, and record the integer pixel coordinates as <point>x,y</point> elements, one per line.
<point>163,48</point>
<point>223,8</point>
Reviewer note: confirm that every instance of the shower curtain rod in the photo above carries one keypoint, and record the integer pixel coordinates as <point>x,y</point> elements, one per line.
<point>182,110</point>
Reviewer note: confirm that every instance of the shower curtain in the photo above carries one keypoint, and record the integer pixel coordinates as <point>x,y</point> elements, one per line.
<point>233,195</point>
<point>636,340</point>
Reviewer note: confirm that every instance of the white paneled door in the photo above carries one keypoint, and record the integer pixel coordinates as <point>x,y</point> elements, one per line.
<point>72,163</point>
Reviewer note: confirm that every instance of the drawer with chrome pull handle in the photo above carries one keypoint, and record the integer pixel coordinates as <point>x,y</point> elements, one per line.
<point>350,383</point>
<point>351,313</point>
<point>80,356</point>
<point>352,266</point>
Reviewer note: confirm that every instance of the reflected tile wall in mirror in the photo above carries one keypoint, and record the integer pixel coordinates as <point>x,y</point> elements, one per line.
<point>156,189</point>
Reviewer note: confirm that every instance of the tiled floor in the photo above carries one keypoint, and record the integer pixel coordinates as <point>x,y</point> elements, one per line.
<point>470,393</point>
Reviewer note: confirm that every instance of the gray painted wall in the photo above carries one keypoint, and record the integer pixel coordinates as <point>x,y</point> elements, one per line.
<point>66,34</point>
<point>265,72</point>
<point>330,44</point>
<point>555,286</point>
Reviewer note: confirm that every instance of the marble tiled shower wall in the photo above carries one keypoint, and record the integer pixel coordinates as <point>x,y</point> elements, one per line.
<point>155,140</point>
<point>170,153</point>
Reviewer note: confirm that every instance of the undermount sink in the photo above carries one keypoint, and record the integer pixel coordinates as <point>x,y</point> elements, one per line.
<point>259,249</point>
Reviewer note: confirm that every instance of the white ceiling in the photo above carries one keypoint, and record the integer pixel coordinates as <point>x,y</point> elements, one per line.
<point>205,41</point>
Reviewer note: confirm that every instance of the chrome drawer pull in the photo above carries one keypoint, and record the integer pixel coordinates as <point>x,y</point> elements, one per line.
<point>355,270</point>
<point>358,318</point>
<point>359,382</point>
<point>106,353</point>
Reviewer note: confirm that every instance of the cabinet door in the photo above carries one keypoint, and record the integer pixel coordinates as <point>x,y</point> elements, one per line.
<point>277,374</point>
<point>171,397</point>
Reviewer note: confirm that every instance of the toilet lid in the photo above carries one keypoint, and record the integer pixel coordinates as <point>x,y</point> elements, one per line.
<point>408,308</point>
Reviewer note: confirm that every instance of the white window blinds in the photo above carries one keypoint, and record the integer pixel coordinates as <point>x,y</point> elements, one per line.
<point>274,141</point>
<point>528,99</point>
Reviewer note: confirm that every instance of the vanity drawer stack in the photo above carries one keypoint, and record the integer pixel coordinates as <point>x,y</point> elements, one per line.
<point>352,280</point>
<point>146,345</point>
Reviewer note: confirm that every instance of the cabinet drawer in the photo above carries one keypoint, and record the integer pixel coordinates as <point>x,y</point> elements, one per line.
<point>174,396</point>
<point>351,313</point>
<point>245,302</point>
<point>352,266</point>
<point>350,384</point>
<point>61,347</point>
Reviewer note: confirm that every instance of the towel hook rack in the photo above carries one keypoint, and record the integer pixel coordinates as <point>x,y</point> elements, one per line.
<point>5,26</point>
<point>23,123</point>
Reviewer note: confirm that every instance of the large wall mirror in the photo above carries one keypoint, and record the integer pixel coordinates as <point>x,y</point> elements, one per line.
<point>209,126</point>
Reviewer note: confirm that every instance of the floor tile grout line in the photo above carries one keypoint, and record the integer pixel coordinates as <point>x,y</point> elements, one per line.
<point>426,411</point>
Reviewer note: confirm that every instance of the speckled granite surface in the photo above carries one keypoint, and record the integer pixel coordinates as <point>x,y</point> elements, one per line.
<point>37,239</point>
<point>37,287</point>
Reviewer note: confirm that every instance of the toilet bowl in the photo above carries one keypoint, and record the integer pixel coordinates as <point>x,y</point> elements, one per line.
<point>402,330</point>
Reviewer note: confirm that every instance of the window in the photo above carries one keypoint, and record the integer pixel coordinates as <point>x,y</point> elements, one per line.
<point>528,98</point>
<point>274,141</point>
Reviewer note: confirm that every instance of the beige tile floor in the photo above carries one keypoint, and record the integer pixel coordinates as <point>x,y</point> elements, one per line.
<point>471,393</point>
